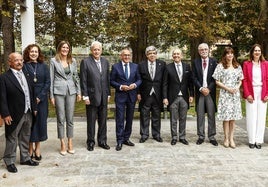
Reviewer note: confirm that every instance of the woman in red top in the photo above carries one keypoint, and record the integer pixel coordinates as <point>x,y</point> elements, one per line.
<point>255,87</point>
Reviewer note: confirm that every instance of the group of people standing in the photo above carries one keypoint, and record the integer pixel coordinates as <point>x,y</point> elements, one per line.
<point>26,86</point>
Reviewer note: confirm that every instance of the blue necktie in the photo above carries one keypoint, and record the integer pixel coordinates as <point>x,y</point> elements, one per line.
<point>126,71</point>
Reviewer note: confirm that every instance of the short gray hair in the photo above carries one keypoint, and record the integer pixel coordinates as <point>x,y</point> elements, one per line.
<point>95,43</point>
<point>150,48</point>
<point>203,45</point>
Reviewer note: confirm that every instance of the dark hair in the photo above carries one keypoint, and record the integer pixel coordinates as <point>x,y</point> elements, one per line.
<point>252,51</point>
<point>26,53</point>
<point>224,61</point>
<point>58,53</point>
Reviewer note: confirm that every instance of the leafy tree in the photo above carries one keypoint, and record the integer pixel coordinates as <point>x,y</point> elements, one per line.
<point>7,18</point>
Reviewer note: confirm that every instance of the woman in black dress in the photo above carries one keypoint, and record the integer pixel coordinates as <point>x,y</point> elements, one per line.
<point>39,74</point>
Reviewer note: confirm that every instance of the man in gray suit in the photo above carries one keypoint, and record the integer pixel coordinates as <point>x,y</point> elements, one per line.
<point>95,86</point>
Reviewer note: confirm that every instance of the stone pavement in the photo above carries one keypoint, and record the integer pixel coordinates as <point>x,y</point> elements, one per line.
<point>150,164</point>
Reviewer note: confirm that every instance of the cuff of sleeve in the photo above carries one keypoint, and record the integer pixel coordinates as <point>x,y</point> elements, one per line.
<point>85,98</point>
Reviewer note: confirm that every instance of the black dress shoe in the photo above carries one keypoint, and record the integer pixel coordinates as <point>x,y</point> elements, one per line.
<point>142,140</point>
<point>185,142</point>
<point>30,163</point>
<point>251,146</point>
<point>199,141</point>
<point>90,146</point>
<point>118,147</point>
<point>214,142</point>
<point>104,146</point>
<point>258,145</point>
<point>173,142</point>
<point>12,168</point>
<point>129,143</point>
<point>159,139</point>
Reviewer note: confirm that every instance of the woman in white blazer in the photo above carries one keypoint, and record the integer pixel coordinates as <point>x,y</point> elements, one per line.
<point>64,90</point>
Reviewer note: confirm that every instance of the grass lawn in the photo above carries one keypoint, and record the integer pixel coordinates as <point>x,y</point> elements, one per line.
<point>80,110</point>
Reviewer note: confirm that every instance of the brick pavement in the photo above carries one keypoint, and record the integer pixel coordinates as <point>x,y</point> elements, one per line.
<point>150,164</point>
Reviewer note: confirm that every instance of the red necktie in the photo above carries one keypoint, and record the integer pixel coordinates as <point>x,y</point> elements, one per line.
<point>204,64</point>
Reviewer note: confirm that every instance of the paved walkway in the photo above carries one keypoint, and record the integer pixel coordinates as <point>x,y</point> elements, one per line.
<point>149,164</point>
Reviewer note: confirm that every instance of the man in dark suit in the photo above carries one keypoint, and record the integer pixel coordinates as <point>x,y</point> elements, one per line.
<point>17,106</point>
<point>205,92</point>
<point>125,78</point>
<point>95,87</point>
<point>150,95</point>
<point>178,92</point>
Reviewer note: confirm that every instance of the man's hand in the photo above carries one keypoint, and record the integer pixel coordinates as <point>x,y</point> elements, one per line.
<point>205,91</point>
<point>8,120</point>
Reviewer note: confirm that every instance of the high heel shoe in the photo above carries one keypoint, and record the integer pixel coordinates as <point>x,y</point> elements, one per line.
<point>232,144</point>
<point>71,151</point>
<point>63,153</point>
<point>38,158</point>
<point>226,143</point>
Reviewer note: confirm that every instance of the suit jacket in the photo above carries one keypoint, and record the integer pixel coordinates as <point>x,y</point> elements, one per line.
<point>60,82</point>
<point>13,99</point>
<point>148,83</point>
<point>172,84</point>
<point>197,73</point>
<point>95,84</point>
<point>247,81</point>
<point>117,78</point>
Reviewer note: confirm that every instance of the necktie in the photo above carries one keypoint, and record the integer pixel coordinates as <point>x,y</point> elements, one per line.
<point>204,64</point>
<point>20,77</point>
<point>126,71</point>
<point>152,70</point>
<point>25,90</point>
<point>99,65</point>
<point>179,71</point>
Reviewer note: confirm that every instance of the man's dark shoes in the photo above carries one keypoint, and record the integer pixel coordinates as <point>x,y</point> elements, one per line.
<point>214,142</point>
<point>258,145</point>
<point>12,168</point>
<point>129,143</point>
<point>90,146</point>
<point>159,139</point>
<point>173,142</point>
<point>251,146</point>
<point>30,163</point>
<point>142,140</point>
<point>199,141</point>
<point>185,142</point>
<point>104,146</point>
<point>118,147</point>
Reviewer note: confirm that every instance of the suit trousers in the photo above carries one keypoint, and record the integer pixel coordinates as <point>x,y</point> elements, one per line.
<point>255,117</point>
<point>178,110</point>
<point>96,113</point>
<point>65,111</point>
<point>21,136</point>
<point>150,110</point>
<point>124,120</point>
<point>206,105</point>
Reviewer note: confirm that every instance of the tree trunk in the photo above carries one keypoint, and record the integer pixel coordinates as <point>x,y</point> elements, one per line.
<point>139,43</point>
<point>61,21</point>
<point>8,35</point>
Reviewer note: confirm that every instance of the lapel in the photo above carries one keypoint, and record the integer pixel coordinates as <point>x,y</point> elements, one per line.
<point>263,69</point>
<point>95,66</point>
<point>60,69</point>
<point>14,80</point>
<point>175,72</point>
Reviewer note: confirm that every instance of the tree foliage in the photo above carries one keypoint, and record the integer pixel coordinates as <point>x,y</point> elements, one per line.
<point>139,23</point>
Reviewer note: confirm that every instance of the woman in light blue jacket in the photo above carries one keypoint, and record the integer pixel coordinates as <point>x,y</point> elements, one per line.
<point>64,90</point>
